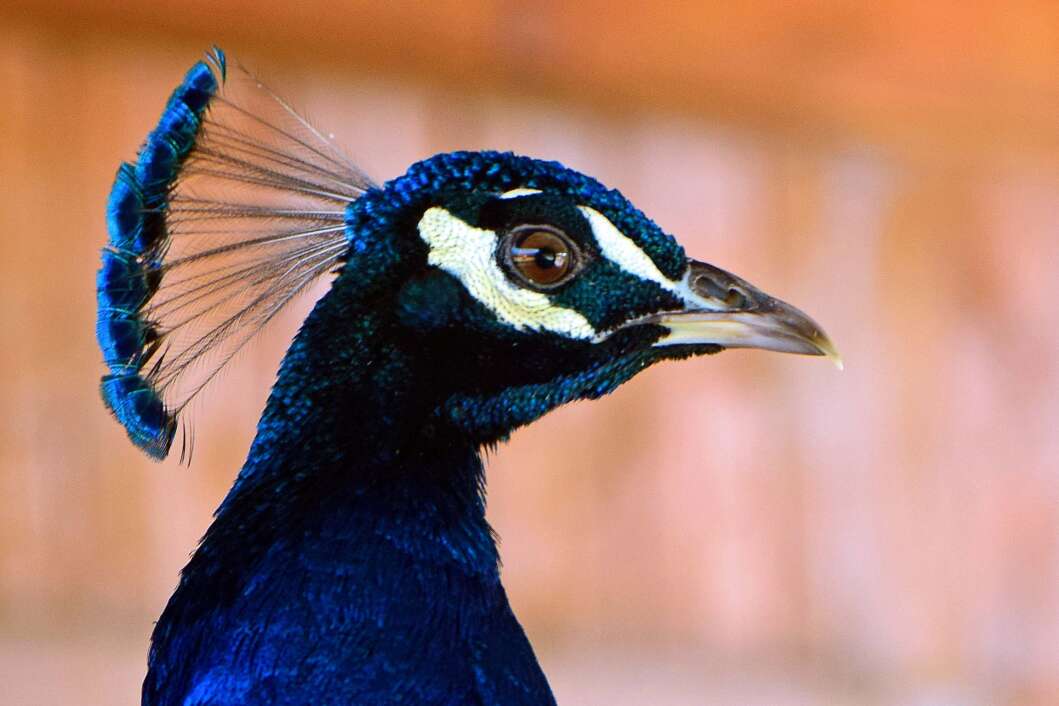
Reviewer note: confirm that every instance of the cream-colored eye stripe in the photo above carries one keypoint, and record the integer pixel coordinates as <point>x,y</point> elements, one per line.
<point>624,252</point>
<point>469,254</point>
<point>630,257</point>
<point>521,191</point>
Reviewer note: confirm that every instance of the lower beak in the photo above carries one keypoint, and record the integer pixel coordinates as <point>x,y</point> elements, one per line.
<point>724,310</point>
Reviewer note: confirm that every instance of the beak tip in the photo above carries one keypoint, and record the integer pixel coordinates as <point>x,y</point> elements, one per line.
<point>827,348</point>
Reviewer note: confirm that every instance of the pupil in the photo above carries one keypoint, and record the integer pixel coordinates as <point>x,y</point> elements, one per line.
<point>545,258</point>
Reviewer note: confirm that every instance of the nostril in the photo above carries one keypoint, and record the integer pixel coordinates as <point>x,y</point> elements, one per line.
<point>736,299</point>
<point>707,286</point>
<point>720,287</point>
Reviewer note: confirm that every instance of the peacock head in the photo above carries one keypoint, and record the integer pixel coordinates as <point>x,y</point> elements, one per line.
<point>529,285</point>
<point>518,284</point>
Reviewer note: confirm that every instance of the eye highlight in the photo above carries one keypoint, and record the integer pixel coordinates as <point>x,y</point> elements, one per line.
<point>541,257</point>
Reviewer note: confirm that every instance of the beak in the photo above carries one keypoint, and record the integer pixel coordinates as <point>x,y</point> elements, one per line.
<point>725,310</point>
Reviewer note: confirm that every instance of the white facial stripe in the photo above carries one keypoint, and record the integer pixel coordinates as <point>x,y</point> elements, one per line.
<point>626,254</point>
<point>622,251</point>
<point>469,255</point>
<point>515,193</point>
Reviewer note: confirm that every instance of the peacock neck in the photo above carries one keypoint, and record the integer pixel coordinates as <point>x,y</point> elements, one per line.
<point>349,439</point>
<point>348,473</point>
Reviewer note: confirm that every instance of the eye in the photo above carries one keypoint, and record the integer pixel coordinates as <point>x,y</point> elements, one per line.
<point>541,256</point>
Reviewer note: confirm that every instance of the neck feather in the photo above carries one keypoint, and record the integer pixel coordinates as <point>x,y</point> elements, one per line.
<point>348,484</point>
<point>350,428</point>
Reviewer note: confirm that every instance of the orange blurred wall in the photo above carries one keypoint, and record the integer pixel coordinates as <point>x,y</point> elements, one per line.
<point>746,528</point>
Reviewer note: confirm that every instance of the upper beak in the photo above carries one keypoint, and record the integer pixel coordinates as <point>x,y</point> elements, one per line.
<point>724,310</point>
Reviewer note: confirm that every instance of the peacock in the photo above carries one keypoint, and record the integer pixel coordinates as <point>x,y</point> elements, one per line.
<point>351,561</point>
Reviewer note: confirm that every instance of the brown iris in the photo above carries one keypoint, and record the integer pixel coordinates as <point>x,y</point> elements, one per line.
<point>540,255</point>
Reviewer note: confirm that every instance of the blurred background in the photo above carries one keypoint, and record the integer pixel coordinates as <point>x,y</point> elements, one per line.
<point>744,529</point>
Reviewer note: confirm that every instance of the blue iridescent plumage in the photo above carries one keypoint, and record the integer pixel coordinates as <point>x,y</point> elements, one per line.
<point>173,284</point>
<point>129,273</point>
<point>351,562</point>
